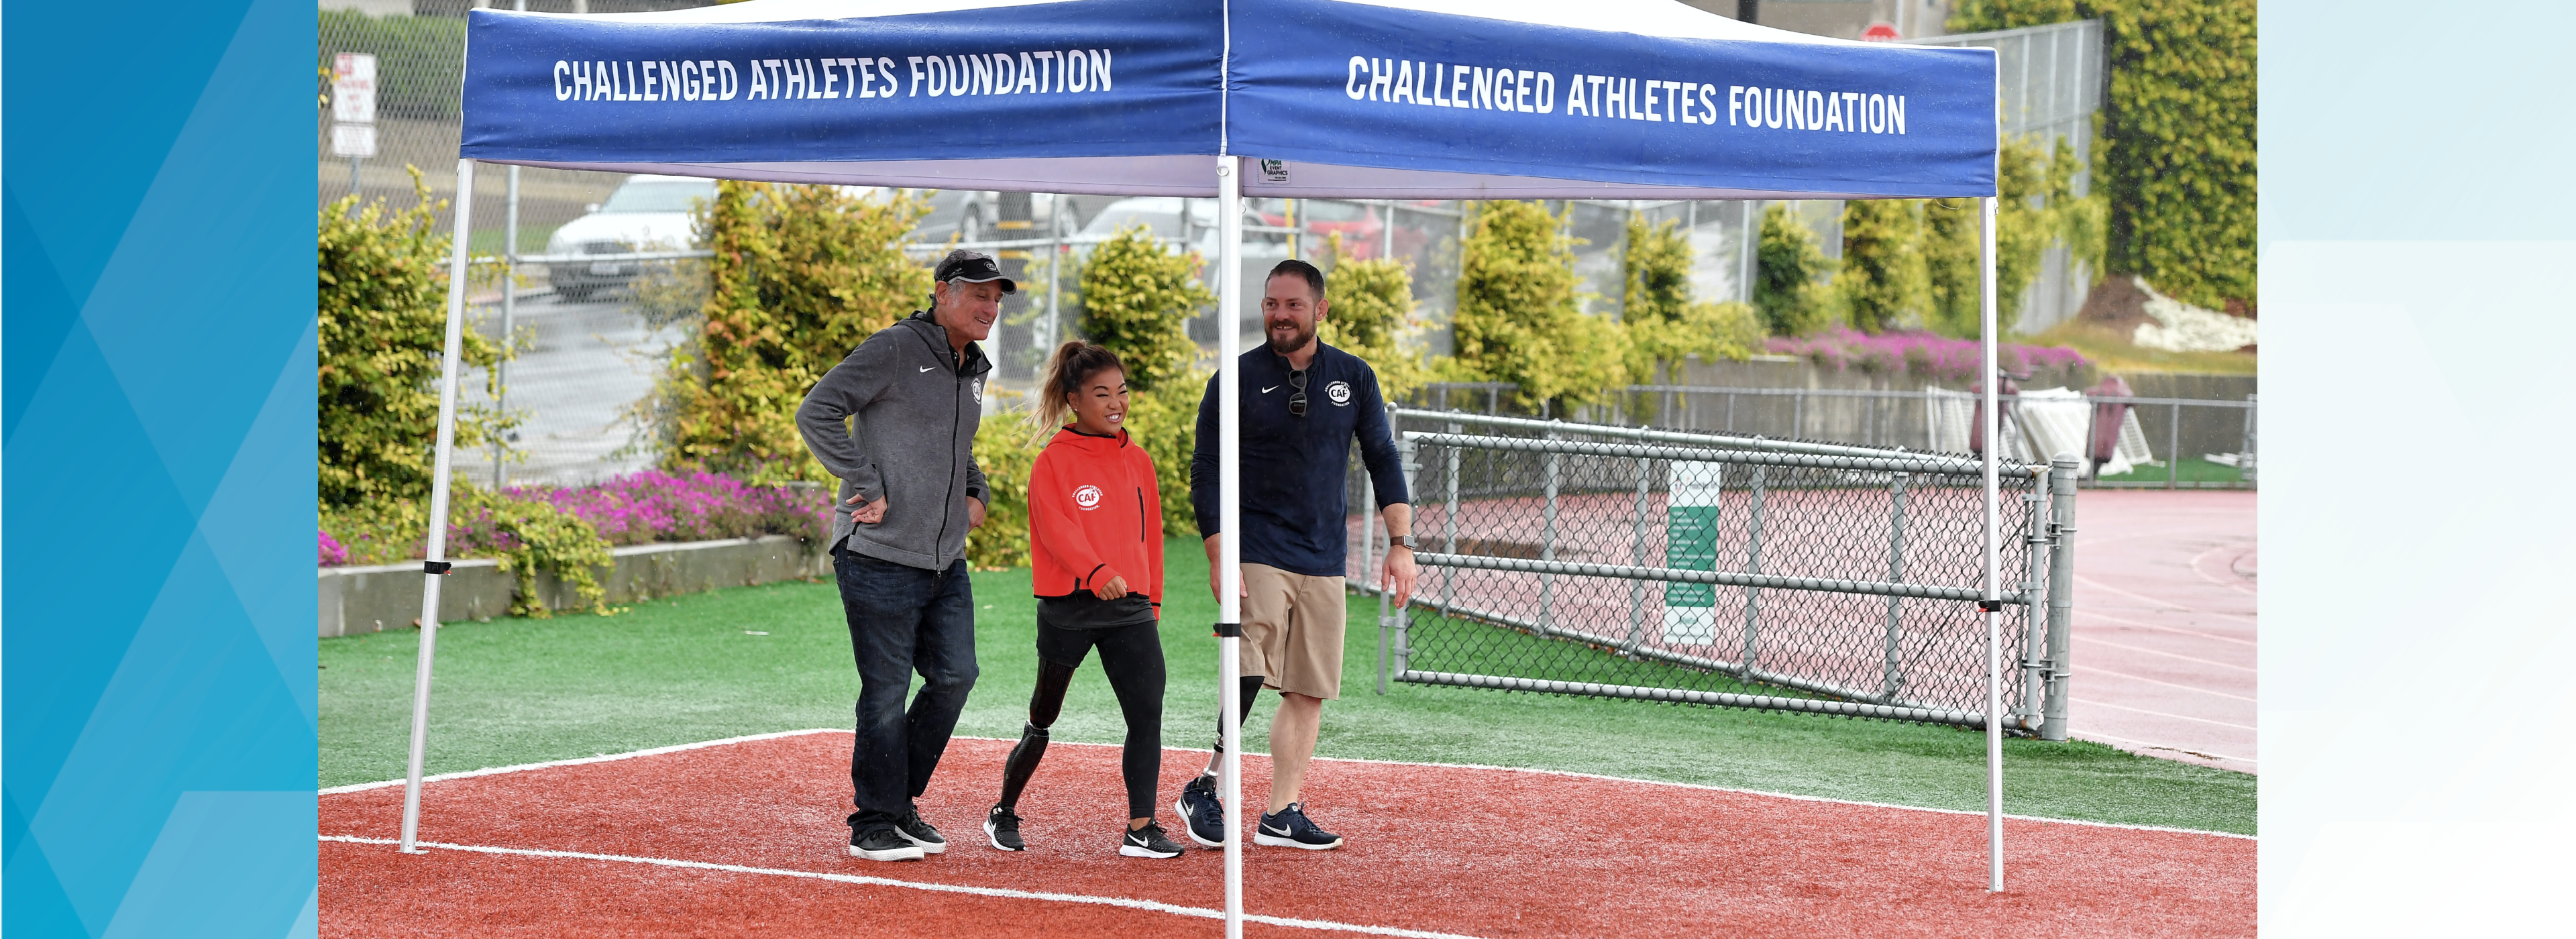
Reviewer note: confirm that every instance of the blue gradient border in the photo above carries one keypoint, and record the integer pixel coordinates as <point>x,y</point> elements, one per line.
<point>156,480</point>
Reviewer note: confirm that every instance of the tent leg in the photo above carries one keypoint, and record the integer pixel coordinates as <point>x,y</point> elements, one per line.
<point>448,366</point>
<point>1229,461</point>
<point>1993,617</point>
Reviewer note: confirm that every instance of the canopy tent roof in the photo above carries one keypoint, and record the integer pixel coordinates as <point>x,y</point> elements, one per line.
<point>1352,98</point>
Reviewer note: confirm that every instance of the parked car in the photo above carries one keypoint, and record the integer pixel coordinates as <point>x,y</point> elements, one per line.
<point>645,213</point>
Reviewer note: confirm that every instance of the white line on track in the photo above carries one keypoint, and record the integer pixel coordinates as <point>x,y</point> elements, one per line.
<point>2170,655</point>
<point>2204,575</point>
<point>999,892</point>
<point>2151,681</point>
<point>2089,735</point>
<point>2160,604</point>
<point>604,758</point>
<point>2188,632</point>
<point>2179,717</point>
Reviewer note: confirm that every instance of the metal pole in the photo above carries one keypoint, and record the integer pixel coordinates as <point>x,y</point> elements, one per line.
<point>2034,614</point>
<point>1449,526</point>
<point>1892,680</point>
<point>1797,413</point>
<point>1547,542</point>
<point>1229,590</point>
<point>2245,461</point>
<point>437,554</point>
<point>2173,448</point>
<point>1993,548</point>
<point>2061,597</point>
<point>509,320</point>
<point>1637,556</point>
<point>1752,565</point>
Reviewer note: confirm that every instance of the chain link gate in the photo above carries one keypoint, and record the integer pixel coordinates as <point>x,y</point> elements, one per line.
<point>1607,561</point>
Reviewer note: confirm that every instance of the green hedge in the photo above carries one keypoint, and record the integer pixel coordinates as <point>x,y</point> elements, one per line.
<point>2177,158</point>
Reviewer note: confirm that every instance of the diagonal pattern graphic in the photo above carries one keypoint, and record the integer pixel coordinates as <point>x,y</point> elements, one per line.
<point>157,372</point>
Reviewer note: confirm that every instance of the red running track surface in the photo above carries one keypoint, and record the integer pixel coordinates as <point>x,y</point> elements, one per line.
<point>1432,849</point>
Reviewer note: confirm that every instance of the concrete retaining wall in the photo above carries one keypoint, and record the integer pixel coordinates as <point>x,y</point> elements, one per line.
<point>372,599</point>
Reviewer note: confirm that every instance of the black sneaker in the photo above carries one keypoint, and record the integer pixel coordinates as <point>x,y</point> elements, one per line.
<point>1148,842</point>
<point>919,832</point>
<point>1289,828</point>
<point>884,844</point>
<point>1002,828</point>
<point>1201,814</point>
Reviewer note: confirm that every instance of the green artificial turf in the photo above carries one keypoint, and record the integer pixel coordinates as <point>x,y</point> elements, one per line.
<point>687,669</point>
<point>2193,470</point>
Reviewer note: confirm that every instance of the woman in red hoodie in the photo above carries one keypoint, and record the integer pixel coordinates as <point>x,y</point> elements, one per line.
<point>1096,552</point>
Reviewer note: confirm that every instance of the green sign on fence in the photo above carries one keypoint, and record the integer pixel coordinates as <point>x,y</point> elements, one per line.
<point>1690,532</point>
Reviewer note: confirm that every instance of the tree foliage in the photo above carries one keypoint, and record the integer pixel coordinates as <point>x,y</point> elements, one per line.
<point>1518,319</point>
<point>801,275</point>
<point>1371,315</point>
<point>1791,286</point>
<point>380,311</point>
<point>1883,280</point>
<point>1664,325</point>
<point>1137,299</point>
<point>2177,159</point>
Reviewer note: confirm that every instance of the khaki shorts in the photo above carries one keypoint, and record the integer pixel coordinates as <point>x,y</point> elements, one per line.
<point>1292,631</point>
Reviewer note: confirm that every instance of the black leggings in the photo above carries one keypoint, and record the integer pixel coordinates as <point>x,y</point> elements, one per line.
<point>1132,656</point>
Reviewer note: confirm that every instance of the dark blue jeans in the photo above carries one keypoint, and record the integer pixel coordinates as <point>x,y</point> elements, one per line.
<point>904,620</point>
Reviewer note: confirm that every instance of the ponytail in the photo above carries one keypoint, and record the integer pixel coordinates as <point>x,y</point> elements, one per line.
<point>1066,370</point>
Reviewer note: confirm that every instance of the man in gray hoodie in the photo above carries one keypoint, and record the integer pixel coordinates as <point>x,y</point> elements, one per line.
<point>912,396</point>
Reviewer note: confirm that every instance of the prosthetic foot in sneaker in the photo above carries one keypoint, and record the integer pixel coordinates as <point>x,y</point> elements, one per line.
<point>1002,828</point>
<point>1148,841</point>
<point>1289,828</point>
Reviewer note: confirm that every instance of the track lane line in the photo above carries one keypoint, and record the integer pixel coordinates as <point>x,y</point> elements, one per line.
<point>2170,629</point>
<point>2179,717</point>
<point>2170,655</point>
<point>657,751</point>
<point>2204,575</point>
<point>2161,605</point>
<point>2151,681</point>
<point>934,887</point>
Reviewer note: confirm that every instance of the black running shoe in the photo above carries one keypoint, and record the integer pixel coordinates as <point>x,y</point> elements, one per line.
<point>1002,828</point>
<point>919,832</point>
<point>1289,828</point>
<point>1148,842</point>
<point>1201,814</point>
<point>884,844</point>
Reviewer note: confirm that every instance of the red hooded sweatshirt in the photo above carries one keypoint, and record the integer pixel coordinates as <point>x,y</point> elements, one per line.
<point>1095,513</point>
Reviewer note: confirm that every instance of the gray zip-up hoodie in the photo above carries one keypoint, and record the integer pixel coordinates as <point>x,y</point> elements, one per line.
<point>915,408</point>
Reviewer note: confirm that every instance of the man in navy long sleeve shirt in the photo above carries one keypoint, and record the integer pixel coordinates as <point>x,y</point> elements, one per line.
<point>1303,404</point>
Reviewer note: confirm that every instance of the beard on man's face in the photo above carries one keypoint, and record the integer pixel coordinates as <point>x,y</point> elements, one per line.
<point>1298,334</point>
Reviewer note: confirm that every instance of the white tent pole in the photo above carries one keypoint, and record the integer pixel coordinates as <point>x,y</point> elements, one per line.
<point>1229,469</point>
<point>1994,545</point>
<point>430,581</point>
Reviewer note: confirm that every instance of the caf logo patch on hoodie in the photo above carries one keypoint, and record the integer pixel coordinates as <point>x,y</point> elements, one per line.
<point>1087,497</point>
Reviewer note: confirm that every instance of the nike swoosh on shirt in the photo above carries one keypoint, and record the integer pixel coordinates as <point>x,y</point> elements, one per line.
<point>1270,389</point>
<point>926,368</point>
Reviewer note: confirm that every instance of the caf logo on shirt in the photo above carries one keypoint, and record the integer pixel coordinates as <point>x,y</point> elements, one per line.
<point>1338,392</point>
<point>1088,497</point>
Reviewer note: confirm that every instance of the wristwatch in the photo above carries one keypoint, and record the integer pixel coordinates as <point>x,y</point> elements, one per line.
<point>1402,541</point>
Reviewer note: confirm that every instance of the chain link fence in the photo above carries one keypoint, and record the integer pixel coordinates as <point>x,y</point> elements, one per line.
<point>1782,575</point>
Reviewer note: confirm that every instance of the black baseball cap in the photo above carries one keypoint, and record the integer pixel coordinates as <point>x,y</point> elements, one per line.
<point>973,267</point>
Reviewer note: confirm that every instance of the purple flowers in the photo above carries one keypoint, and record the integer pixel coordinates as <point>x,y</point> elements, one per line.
<point>657,506</point>
<point>1919,353</point>
<point>333,555</point>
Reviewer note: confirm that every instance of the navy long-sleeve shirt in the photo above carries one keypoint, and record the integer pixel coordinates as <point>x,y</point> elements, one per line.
<point>1293,500</point>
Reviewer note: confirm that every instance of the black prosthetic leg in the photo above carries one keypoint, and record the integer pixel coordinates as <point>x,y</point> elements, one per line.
<point>1044,705</point>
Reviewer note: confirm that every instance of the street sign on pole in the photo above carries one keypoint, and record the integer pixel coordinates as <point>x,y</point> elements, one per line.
<point>1881,31</point>
<point>353,88</point>
<point>353,109</point>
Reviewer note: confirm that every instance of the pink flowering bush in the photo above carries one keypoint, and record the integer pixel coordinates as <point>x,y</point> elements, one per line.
<point>653,505</point>
<point>1918,353</point>
<point>333,555</point>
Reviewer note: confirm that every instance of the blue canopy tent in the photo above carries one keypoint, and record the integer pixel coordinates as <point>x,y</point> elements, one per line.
<point>1446,99</point>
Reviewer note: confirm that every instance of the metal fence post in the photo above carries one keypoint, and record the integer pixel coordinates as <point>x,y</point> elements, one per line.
<point>2061,597</point>
<point>1547,543</point>
<point>2034,657</point>
<point>1892,681</point>
<point>1753,565</point>
<point>2173,448</point>
<point>1449,526</point>
<point>2245,458</point>
<point>1797,413</point>
<point>1637,556</point>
